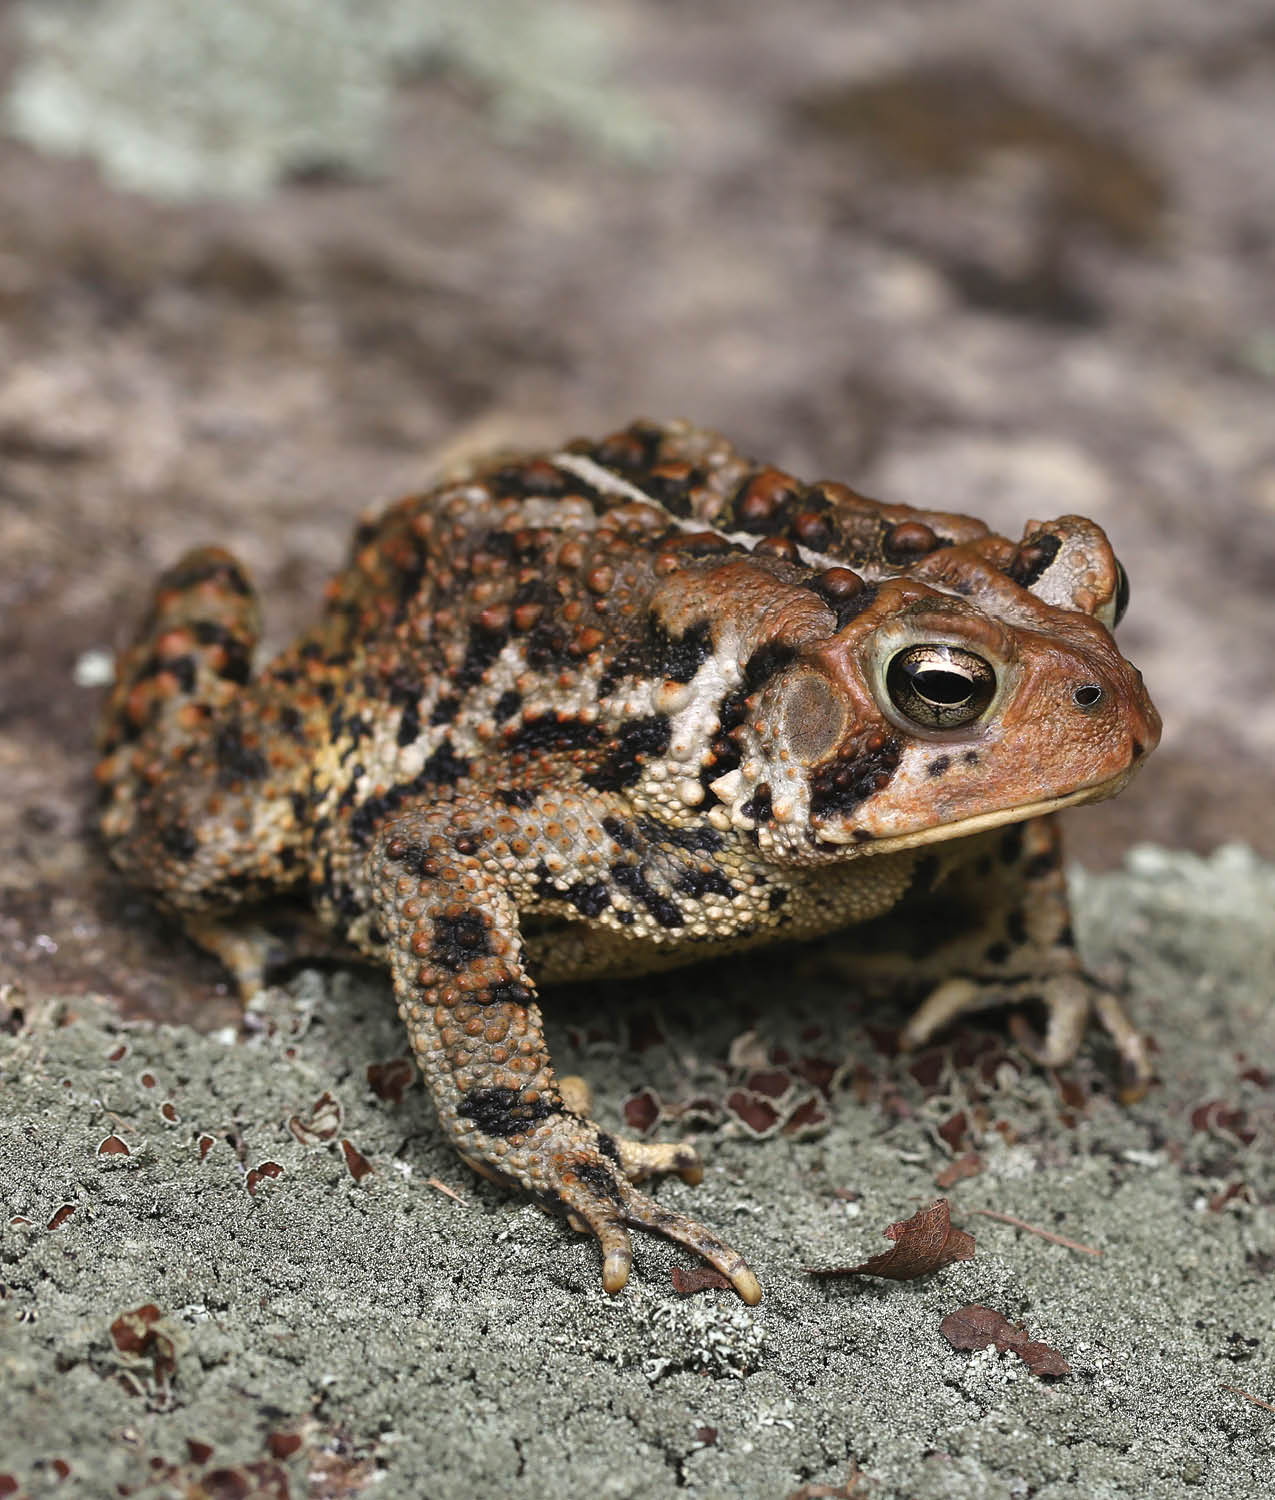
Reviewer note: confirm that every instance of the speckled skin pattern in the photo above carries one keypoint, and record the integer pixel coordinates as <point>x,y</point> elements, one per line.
<point>620,707</point>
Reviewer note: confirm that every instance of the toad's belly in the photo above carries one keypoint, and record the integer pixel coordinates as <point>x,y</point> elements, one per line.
<point>561,945</point>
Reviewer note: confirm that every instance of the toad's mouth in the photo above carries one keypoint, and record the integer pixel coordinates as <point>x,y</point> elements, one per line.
<point>863,841</point>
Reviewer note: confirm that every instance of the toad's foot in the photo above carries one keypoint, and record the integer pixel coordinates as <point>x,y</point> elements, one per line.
<point>1069,998</point>
<point>571,1166</point>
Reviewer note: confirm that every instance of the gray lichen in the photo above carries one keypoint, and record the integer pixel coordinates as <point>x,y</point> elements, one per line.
<point>177,98</point>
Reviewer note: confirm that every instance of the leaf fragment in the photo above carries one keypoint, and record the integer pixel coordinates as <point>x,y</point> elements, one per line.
<point>969,1165</point>
<point>922,1244</point>
<point>686,1282</point>
<point>977,1327</point>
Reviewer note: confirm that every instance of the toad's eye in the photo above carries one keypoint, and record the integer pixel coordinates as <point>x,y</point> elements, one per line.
<point>1122,594</point>
<point>940,687</point>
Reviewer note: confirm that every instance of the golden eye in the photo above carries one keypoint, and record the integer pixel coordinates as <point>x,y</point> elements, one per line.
<point>1122,594</point>
<point>940,687</point>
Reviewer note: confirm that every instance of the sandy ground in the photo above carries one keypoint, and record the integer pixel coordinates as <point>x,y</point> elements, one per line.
<point>997,255</point>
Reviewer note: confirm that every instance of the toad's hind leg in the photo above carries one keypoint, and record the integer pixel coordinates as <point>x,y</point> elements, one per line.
<point>193,776</point>
<point>451,930</point>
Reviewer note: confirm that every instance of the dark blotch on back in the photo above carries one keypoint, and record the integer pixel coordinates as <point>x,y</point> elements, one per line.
<point>634,740</point>
<point>601,1182</point>
<point>181,667</point>
<point>444,766</point>
<point>671,484</point>
<point>508,992</point>
<point>759,804</point>
<point>678,658</point>
<point>548,732</point>
<point>710,882</point>
<point>703,839</point>
<point>507,705</point>
<point>235,760</point>
<point>178,840</point>
<point>536,477</point>
<point>630,450</point>
<point>409,725</point>
<point>625,834</point>
<point>589,897</point>
<point>237,665</point>
<point>762,665</point>
<point>547,645</point>
<point>483,648</point>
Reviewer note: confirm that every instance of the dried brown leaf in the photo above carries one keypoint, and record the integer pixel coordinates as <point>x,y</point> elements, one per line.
<point>1217,1202</point>
<point>697,1279</point>
<point>143,1334</point>
<point>969,1165</point>
<point>976,1327</point>
<point>924,1243</point>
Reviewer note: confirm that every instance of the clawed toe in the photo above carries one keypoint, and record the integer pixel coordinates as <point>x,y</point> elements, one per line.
<point>942,1005</point>
<point>646,1214</point>
<point>639,1160</point>
<point>1068,998</point>
<point>604,1205</point>
<point>1135,1061</point>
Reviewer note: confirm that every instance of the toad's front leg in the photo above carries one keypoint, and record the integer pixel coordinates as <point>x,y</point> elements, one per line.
<point>469,1004</point>
<point>1020,949</point>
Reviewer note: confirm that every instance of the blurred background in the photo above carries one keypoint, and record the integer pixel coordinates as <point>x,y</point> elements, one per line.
<point>265,263</point>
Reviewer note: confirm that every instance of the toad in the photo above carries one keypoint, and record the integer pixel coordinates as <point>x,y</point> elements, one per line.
<point>618,707</point>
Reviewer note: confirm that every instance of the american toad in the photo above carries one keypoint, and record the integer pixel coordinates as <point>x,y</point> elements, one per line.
<point>617,708</point>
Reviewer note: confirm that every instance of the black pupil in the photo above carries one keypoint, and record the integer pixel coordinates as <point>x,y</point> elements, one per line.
<point>941,687</point>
